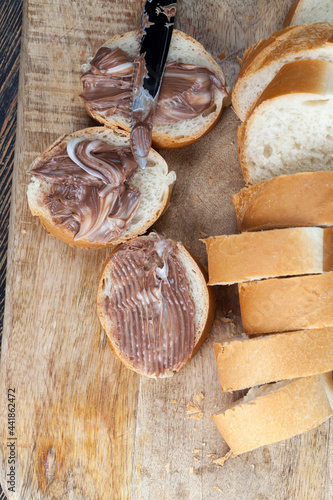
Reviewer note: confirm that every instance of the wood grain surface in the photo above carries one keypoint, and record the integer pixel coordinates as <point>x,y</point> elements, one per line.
<point>86,427</point>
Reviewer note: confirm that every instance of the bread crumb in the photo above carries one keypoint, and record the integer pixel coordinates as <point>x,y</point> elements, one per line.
<point>191,470</point>
<point>196,450</point>
<point>210,180</point>
<point>167,467</point>
<point>196,198</point>
<point>196,428</point>
<point>204,444</point>
<point>182,400</point>
<point>173,401</point>
<point>163,478</point>
<point>221,461</point>
<point>197,416</point>
<point>239,60</point>
<point>202,234</point>
<point>221,56</point>
<point>211,455</point>
<point>192,408</point>
<point>217,489</point>
<point>23,231</point>
<point>196,459</point>
<point>199,397</point>
<point>225,320</point>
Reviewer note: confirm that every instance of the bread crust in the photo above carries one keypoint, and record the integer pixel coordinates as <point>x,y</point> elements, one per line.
<point>303,199</point>
<point>64,234</point>
<point>292,13</point>
<point>285,410</point>
<point>162,139</point>
<point>285,46</point>
<point>243,363</point>
<point>201,334</point>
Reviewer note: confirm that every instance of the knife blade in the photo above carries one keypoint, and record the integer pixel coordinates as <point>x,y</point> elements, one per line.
<point>155,33</point>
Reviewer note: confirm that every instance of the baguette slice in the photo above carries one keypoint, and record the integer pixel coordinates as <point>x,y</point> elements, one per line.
<point>150,351</point>
<point>155,184</point>
<point>304,199</point>
<point>244,363</point>
<point>186,50</point>
<point>263,60</point>
<point>308,11</point>
<point>275,412</point>
<point>286,304</point>
<point>252,256</point>
<point>289,128</point>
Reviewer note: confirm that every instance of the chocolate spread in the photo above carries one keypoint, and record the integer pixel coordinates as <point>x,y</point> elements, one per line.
<point>90,193</point>
<point>186,91</point>
<point>151,304</point>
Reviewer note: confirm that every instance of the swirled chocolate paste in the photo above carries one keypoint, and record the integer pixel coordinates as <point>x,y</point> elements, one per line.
<point>186,91</point>
<point>90,190</point>
<point>150,301</point>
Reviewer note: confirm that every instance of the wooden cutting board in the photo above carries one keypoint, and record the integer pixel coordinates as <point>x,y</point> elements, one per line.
<point>85,426</point>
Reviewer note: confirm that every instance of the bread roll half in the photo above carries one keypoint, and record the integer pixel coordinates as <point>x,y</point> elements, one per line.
<point>245,362</point>
<point>303,199</point>
<point>183,49</point>
<point>93,217</point>
<point>154,305</point>
<point>289,128</point>
<point>275,412</point>
<point>263,60</point>
<point>309,11</point>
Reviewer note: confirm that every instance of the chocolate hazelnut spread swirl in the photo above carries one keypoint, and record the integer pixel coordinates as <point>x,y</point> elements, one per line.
<point>186,91</point>
<point>90,193</point>
<point>151,304</point>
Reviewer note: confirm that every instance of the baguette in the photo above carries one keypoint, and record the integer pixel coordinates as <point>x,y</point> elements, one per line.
<point>265,254</point>
<point>244,363</point>
<point>288,129</point>
<point>286,304</point>
<point>308,11</point>
<point>183,49</point>
<point>154,305</point>
<point>154,185</point>
<point>275,412</point>
<point>303,199</point>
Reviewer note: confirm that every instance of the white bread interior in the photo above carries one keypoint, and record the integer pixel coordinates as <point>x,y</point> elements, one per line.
<point>309,11</point>
<point>202,296</point>
<point>155,185</point>
<point>303,199</point>
<point>253,256</point>
<point>183,49</point>
<point>289,128</point>
<point>263,60</point>
<point>274,412</point>
<point>244,363</point>
<point>287,304</point>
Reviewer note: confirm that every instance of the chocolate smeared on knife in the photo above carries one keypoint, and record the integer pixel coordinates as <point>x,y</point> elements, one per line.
<point>155,35</point>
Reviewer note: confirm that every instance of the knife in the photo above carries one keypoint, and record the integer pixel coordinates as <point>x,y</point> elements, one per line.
<point>154,40</point>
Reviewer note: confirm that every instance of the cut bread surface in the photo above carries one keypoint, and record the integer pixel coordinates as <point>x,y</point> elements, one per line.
<point>265,254</point>
<point>275,412</point>
<point>263,60</point>
<point>154,183</point>
<point>309,11</point>
<point>202,297</point>
<point>303,199</point>
<point>186,50</point>
<point>244,363</point>
<point>289,129</point>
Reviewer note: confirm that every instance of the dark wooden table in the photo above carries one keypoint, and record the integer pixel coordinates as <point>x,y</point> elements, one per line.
<point>10,38</point>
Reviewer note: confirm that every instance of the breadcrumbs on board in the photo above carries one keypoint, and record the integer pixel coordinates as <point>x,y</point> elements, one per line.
<point>199,397</point>
<point>173,401</point>
<point>202,234</point>
<point>204,444</point>
<point>23,231</point>
<point>192,408</point>
<point>239,60</point>
<point>221,56</point>
<point>196,459</point>
<point>217,489</point>
<point>225,320</point>
<point>196,198</point>
<point>197,416</point>
<point>196,428</point>
<point>167,467</point>
<point>221,461</point>
<point>191,470</point>
<point>211,455</point>
<point>210,180</point>
<point>196,450</point>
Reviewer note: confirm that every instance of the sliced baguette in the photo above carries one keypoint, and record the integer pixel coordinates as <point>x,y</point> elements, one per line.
<point>202,297</point>
<point>183,49</point>
<point>275,412</point>
<point>304,199</point>
<point>286,304</point>
<point>263,60</point>
<point>253,256</point>
<point>155,185</point>
<point>308,11</point>
<point>289,128</point>
<point>244,363</point>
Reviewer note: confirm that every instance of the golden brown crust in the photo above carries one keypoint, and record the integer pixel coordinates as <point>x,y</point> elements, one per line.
<point>210,311</point>
<point>291,12</point>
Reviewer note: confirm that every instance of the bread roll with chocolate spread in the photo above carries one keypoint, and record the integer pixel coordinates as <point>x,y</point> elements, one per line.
<point>154,305</point>
<point>88,191</point>
<point>192,93</point>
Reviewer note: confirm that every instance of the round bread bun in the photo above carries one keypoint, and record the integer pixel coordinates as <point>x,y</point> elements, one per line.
<point>182,49</point>
<point>155,184</point>
<point>203,298</point>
